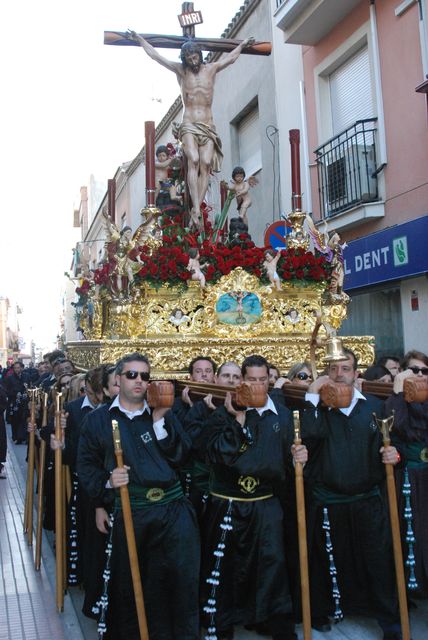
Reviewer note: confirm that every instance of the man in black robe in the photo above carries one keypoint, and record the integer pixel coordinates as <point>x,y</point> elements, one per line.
<point>16,389</point>
<point>244,577</point>
<point>228,374</point>
<point>201,369</point>
<point>351,561</point>
<point>167,540</point>
<point>81,509</point>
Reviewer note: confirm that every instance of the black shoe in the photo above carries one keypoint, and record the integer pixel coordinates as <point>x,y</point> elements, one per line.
<point>259,627</point>
<point>321,624</point>
<point>225,634</point>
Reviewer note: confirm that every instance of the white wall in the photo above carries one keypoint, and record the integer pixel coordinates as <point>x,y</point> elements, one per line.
<point>288,68</point>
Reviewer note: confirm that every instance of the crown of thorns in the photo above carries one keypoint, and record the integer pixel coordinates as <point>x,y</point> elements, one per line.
<point>190,47</point>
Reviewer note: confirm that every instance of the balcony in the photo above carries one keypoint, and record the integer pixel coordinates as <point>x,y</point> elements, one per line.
<point>308,21</point>
<point>347,176</point>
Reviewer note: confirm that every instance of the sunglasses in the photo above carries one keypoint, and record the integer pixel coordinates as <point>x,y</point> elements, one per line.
<point>303,376</point>
<point>133,375</point>
<point>82,389</point>
<point>416,370</point>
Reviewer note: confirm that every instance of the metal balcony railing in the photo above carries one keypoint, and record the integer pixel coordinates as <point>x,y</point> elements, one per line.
<point>347,169</point>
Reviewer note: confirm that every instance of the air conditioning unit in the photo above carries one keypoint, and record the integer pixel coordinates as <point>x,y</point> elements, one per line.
<point>349,177</point>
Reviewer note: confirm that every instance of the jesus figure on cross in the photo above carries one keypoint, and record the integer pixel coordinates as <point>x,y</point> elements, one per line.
<point>197,133</point>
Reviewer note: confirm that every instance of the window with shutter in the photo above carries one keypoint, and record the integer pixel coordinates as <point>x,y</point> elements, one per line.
<point>351,92</point>
<point>250,152</point>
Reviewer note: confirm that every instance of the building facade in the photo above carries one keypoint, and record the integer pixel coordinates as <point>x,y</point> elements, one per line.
<point>367,135</point>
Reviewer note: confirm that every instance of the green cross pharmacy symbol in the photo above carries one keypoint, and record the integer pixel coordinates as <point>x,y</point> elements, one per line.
<point>401,255</point>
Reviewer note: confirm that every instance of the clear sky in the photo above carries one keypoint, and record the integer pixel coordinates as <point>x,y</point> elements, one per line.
<point>72,107</point>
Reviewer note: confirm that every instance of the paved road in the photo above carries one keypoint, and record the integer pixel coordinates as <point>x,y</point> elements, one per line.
<point>27,597</point>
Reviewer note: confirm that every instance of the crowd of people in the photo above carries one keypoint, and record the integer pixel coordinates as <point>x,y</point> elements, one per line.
<point>212,492</point>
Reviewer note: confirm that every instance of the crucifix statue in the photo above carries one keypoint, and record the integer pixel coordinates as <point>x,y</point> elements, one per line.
<point>196,78</point>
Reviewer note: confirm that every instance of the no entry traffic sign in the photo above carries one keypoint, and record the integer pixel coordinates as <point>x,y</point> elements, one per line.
<point>275,235</point>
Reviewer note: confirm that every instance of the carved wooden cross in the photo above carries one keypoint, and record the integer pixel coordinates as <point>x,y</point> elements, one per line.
<point>188,19</point>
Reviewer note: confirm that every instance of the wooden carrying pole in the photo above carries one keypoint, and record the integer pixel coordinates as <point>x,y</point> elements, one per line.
<point>385,426</point>
<point>41,487</point>
<point>59,492</point>
<point>29,492</point>
<point>130,539</point>
<point>301,528</point>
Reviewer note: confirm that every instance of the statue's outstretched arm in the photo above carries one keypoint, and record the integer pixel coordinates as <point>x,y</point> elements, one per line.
<point>231,57</point>
<point>176,67</point>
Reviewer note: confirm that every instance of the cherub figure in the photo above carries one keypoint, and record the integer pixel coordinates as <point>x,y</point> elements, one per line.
<point>195,267</point>
<point>292,316</point>
<point>241,189</point>
<point>177,317</point>
<point>269,265</point>
<point>162,164</point>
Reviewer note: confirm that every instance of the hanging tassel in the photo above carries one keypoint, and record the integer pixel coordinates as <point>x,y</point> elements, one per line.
<point>338,613</point>
<point>214,578</point>
<point>187,484</point>
<point>406,490</point>
<point>102,604</point>
<point>73,558</point>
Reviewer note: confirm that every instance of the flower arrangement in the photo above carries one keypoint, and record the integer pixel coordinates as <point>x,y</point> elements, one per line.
<point>167,265</point>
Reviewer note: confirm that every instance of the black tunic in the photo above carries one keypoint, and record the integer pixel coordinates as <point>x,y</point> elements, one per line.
<point>166,534</point>
<point>81,510</point>
<point>410,436</point>
<point>347,473</point>
<point>247,464</point>
<point>17,411</point>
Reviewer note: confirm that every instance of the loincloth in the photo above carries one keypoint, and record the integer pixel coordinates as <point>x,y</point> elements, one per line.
<point>202,133</point>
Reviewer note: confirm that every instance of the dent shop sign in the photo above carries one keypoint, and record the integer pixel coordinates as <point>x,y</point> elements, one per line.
<point>397,252</point>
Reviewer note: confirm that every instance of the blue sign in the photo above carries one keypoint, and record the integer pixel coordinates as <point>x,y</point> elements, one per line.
<point>276,233</point>
<point>398,252</point>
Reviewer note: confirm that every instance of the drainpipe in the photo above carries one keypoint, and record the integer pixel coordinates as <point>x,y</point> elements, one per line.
<point>382,156</point>
<point>308,191</point>
<point>423,32</point>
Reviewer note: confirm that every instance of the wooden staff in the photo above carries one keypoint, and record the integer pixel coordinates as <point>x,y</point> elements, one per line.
<point>41,487</point>
<point>59,492</point>
<point>130,539</point>
<point>29,492</point>
<point>301,527</point>
<point>385,426</point>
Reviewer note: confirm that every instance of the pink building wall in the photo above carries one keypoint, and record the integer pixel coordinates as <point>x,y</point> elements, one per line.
<point>405,111</point>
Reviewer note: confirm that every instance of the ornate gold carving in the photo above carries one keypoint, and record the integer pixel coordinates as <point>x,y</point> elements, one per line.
<point>170,355</point>
<point>171,325</point>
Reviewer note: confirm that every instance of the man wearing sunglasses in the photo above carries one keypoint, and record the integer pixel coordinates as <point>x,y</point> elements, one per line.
<point>351,532</point>
<point>410,435</point>
<point>153,445</point>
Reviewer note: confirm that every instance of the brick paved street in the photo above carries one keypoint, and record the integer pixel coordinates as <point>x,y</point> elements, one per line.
<point>27,597</point>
